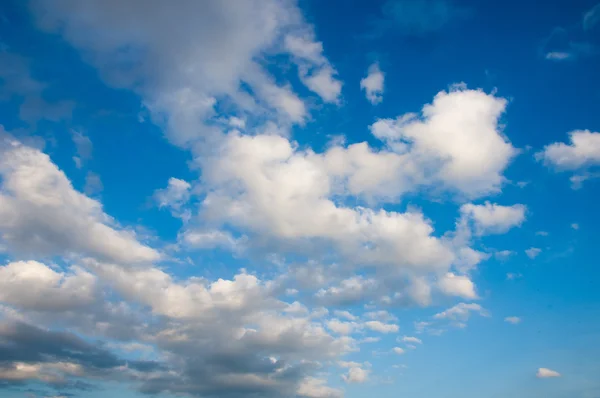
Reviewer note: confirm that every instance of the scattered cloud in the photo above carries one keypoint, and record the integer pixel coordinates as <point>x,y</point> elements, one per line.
<point>544,373</point>
<point>533,252</point>
<point>512,319</point>
<point>372,84</point>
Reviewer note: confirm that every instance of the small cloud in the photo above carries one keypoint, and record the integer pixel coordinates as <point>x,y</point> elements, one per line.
<point>558,55</point>
<point>93,184</point>
<point>533,252</point>
<point>545,373</point>
<point>410,339</point>
<point>503,255</point>
<point>592,17</point>
<point>542,233</point>
<point>512,276</point>
<point>373,84</point>
<point>399,350</point>
<point>575,226</point>
<point>512,319</point>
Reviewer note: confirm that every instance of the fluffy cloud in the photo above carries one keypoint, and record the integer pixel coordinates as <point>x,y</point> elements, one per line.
<point>356,375</point>
<point>34,286</point>
<point>457,285</point>
<point>582,154</point>
<point>455,142</point>
<point>544,373</point>
<point>533,252</point>
<point>491,218</point>
<point>373,84</point>
<point>583,151</point>
<point>398,350</point>
<point>378,326</point>
<point>41,213</point>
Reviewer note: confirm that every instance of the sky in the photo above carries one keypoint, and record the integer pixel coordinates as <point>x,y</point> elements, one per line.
<point>286,199</point>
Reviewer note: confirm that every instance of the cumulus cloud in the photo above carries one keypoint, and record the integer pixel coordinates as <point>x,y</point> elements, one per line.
<point>533,252</point>
<point>545,373</point>
<point>378,326</point>
<point>41,212</point>
<point>583,151</point>
<point>372,84</point>
<point>512,319</point>
<point>579,156</point>
<point>34,286</point>
<point>398,350</point>
<point>457,285</point>
<point>356,375</point>
<point>455,141</point>
<point>491,218</point>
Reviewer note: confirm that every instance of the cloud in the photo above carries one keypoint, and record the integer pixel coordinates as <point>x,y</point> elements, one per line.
<point>417,17</point>
<point>575,226</point>
<point>410,339</point>
<point>456,142</point>
<point>592,17</point>
<point>316,388</point>
<point>181,81</point>
<point>41,213</point>
<point>491,218</point>
<point>356,375</point>
<point>582,152</point>
<point>457,285</point>
<point>567,45</point>
<point>461,312</point>
<point>373,84</point>
<point>512,319</point>
<point>398,350</point>
<point>31,285</point>
<point>83,147</point>
<point>533,252</point>
<point>544,373</point>
<point>579,157</point>
<point>378,326</point>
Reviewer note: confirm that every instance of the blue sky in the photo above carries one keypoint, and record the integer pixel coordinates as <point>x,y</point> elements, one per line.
<point>280,198</point>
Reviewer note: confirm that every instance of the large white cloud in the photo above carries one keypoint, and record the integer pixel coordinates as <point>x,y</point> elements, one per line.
<point>42,214</point>
<point>185,59</point>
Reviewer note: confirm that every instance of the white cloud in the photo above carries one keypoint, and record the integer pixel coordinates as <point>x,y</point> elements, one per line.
<point>580,154</point>
<point>410,339</point>
<point>398,350</point>
<point>316,388</point>
<point>181,80</point>
<point>31,285</point>
<point>544,373</point>
<point>533,252</point>
<point>356,375</point>
<point>512,319</point>
<point>315,71</point>
<point>373,84</point>
<point>461,312</point>
<point>378,326</point>
<point>457,139</point>
<point>175,195</point>
<point>457,285</point>
<point>344,328</point>
<point>41,213</point>
<point>575,226</point>
<point>345,314</point>
<point>491,218</point>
